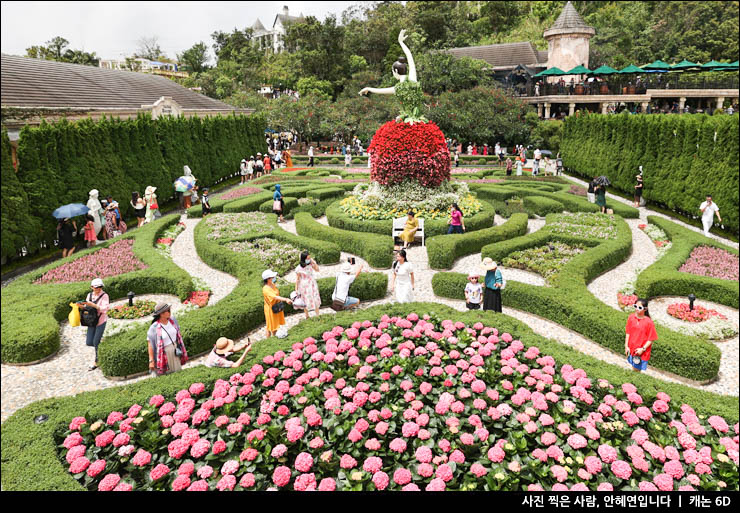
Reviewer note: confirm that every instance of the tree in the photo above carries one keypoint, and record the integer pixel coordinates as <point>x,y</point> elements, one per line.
<point>148,48</point>
<point>81,57</point>
<point>441,72</point>
<point>56,46</point>
<point>195,58</point>
<point>311,85</point>
<point>56,50</point>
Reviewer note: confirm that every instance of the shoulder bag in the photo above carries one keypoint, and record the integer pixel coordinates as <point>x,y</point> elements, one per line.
<point>278,307</point>
<point>337,304</point>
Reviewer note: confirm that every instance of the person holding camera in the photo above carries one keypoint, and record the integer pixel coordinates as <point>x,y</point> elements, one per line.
<point>274,305</point>
<point>167,351</point>
<point>347,275</point>
<point>93,314</point>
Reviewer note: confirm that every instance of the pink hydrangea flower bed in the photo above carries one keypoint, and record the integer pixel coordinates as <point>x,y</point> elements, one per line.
<point>712,262</point>
<point>683,312</point>
<point>118,258</point>
<point>405,404</point>
<point>239,193</point>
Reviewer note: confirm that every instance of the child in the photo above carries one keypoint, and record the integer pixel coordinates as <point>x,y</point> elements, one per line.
<point>457,158</point>
<point>205,205</point>
<point>114,205</point>
<point>473,292</point>
<point>90,237</point>
<point>347,159</point>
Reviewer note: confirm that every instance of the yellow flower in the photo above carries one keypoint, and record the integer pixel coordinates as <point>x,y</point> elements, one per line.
<point>500,476</point>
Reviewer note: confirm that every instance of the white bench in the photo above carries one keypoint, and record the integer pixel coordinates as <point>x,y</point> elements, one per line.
<point>400,222</point>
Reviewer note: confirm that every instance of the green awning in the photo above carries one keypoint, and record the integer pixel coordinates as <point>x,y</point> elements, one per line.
<point>712,65</point>
<point>631,69</point>
<point>684,65</point>
<point>657,65</point>
<point>733,66</point>
<point>604,70</point>
<point>550,72</point>
<point>578,70</point>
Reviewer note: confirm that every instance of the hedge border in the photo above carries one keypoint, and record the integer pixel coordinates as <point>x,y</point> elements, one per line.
<point>30,453</point>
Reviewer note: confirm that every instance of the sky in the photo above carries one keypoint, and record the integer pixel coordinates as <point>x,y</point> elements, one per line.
<point>112,29</point>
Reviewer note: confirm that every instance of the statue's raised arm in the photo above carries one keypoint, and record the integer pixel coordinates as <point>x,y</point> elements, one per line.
<point>400,65</point>
<point>412,66</point>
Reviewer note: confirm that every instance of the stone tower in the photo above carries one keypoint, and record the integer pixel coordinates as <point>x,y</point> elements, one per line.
<point>568,40</point>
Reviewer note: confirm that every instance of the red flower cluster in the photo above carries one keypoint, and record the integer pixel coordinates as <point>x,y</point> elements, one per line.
<point>625,300</point>
<point>402,151</point>
<point>165,240</point>
<point>698,314</point>
<point>198,297</point>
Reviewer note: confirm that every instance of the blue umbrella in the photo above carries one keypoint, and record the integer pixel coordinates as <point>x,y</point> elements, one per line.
<point>71,210</point>
<point>184,183</point>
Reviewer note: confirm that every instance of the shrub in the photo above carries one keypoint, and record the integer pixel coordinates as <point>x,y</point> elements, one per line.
<point>542,206</point>
<point>325,193</point>
<point>403,151</point>
<point>377,250</point>
<point>443,250</point>
<point>663,279</point>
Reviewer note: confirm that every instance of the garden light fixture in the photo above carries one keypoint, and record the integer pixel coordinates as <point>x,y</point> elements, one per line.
<point>692,298</point>
<point>41,419</point>
<point>130,296</point>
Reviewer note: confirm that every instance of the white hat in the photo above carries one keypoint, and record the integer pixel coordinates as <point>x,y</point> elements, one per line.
<point>488,264</point>
<point>97,282</point>
<point>346,268</point>
<point>269,273</point>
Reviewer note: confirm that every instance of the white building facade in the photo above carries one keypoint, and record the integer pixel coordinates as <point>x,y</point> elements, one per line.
<point>273,38</point>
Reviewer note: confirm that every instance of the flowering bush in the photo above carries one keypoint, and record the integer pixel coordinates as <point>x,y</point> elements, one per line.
<point>118,258</point>
<point>406,404</point>
<point>226,226</point>
<point>375,201</point>
<point>139,309</point>
<point>164,243</point>
<point>713,262</point>
<point>274,254</point>
<point>577,190</point>
<point>626,300</point>
<point>546,260</point>
<point>659,238</point>
<point>239,192</point>
<point>592,226</point>
<point>401,152</point>
<point>198,297</point>
<point>698,314</point>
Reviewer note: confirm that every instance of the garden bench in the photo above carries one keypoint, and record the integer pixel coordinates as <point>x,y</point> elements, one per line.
<point>400,222</point>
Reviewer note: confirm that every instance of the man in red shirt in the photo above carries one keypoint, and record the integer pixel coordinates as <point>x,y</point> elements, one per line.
<point>640,336</point>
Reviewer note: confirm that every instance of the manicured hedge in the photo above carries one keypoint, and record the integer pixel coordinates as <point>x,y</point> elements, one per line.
<point>684,157</point>
<point>339,219</point>
<point>377,250</point>
<point>663,278</point>
<point>328,192</point>
<point>569,303</point>
<point>542,206</point>
<point>60,163</point>
<point>443,250</point>
<point>30,454</point>
<point>19,226</point>
<point>31,313</point>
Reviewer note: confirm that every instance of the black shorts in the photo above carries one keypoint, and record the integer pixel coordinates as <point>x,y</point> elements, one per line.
<point>140,212</point>
<point>638,192</point>
<point>473,306</point>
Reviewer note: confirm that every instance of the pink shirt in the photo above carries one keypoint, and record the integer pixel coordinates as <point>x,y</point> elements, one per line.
<point>102,306</point>
<point>456,218</point>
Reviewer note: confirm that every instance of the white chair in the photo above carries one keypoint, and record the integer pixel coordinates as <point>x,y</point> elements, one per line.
<point>400,222</point>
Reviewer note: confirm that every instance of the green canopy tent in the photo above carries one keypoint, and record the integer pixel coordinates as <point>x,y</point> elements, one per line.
<point>657,65</point>
<point>630,69</point>
<point>685,65</point>
<point>578,70</point>
<point>733,66</point>
<point>711,65</point>
<point>550,72</point>
<point>604,70</point>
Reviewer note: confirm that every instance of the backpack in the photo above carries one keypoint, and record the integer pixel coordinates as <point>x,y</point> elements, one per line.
<point>88,315</point>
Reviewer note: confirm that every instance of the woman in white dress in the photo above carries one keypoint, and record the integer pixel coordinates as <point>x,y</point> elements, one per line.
<point>519,166</point>
<point>151,201</point>
<point>306,284</point>
<point>402,281</point>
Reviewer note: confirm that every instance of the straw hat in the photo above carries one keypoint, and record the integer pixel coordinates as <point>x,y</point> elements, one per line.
<point>488,264</point>
<point>224,345</point>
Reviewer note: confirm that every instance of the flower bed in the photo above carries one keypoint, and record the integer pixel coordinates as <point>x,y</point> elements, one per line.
<point>377,202</point>
<point>712,262</point>
<point>273,254</point>
<point>546,260</point>
<point>164,243</point>
<point>683,312</point>
<point>577,190</point>
<point>198,298</point>
<point>239,192</point>
<point>627,301</point>
<point>581,224</point>
<point>714,328</point>
<point>227,226</point>
<point>118,258</point>
<point>383,407</point>
<point>138,310</point>
<point>658,236</point>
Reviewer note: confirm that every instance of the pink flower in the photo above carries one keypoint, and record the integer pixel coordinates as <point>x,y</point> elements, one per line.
<point>425,470</point>
<point>158,472</point>
<point>205,472</point>
<point>79,465</point>
<point>496,454</point>
<point>278,451</point>
<point>577,441</point>
<point>444,472</point>
<point>380,480</point>
<point>104,438</point>
<point>198,486</point>
<point>180,483</point>
<point>559,473</point>
<point>95,468</point>
<point>664,482</point>
<point>230,467</point>
<point>227,482</point>
<point>303,462</point>
<point>281,476</point>
<point>402,476</point>
<point>593,464</point>
<point>398,445</point>
<point>347,462</point>
<point>76,423</point>
<point>424,454</point>
<point>327,485</point>
<point>621,469</point>
<point>436,485</point>
<point>607,453</point>
<point>109,482</point>
<point>548,438</point>
<point>372,464</point>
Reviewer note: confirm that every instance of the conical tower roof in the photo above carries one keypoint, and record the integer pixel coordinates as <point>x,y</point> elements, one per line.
<point>569,21</point>
<point>258,25</point>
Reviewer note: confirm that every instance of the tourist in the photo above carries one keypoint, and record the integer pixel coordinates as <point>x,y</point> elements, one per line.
<point>475,149</point>
<point>267,164</point>
<point>473,292</point>
<point>273,304</point>
<point>90,237</point>
<point>470,148</point>
<point>590,193</point>
<point>167,351</point>
<point>708,208</point>
<point>519,164</point>
<point>497,148</point>
<point>98,300</point>
<point>347,159</point>
<point>509,166</point>
<point>67,231</point>
<point>640,336</point>
<point>638,189</point>
<point>278,159</point>
<point>409,229</point>
<point>536,168</point>
<point>287,158</point>
<point>194,197</point>
<point>224,348</point>
<point>347,275</point>
<point>250,167</point>
<point>537,89</point>
<point>457,158</point>
<point>152,207</point>
<point>305,283</point>
<point>559,165</point>
<point>205,203</point>
<point>485,149</point>
<point>111,230</point>
<point>456,224</point>
<point>600,193</point>
<point>139,205</point>
<point>258,165</point>
<point>117,211</point>
<point>310,156</point>
<point>402,278</point>
<point>188,192</point>
<point>278,203</point>
<point>243,171</point>
<point>493,281</point>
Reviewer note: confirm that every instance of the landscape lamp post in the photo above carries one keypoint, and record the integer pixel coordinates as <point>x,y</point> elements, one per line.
<point>692,298</point>
<point>130,296</point>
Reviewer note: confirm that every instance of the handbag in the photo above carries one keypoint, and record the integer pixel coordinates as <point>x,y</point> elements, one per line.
<point>154,206</point>
<point>74,315</point>
<point>276,205</point>
<point>337,304</point>
<point>278,307</point>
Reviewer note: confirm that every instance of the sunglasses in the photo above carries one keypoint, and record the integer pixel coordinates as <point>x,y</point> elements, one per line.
<point>639,307</point>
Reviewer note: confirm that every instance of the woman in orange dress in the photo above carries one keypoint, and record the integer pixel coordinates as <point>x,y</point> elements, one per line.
<point>268,163</point>
<point>288,160</point>
<point>270,293</point>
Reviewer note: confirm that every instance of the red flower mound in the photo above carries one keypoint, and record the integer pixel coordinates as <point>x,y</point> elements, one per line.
<point>401,151</point>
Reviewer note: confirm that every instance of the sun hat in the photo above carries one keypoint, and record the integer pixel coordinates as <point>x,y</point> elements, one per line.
<point>488,264</point>
<point>346,267</point>
<point>224,345</point>
<point>269,273</point>
<point>160,309</point>
<point>97,282</point>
